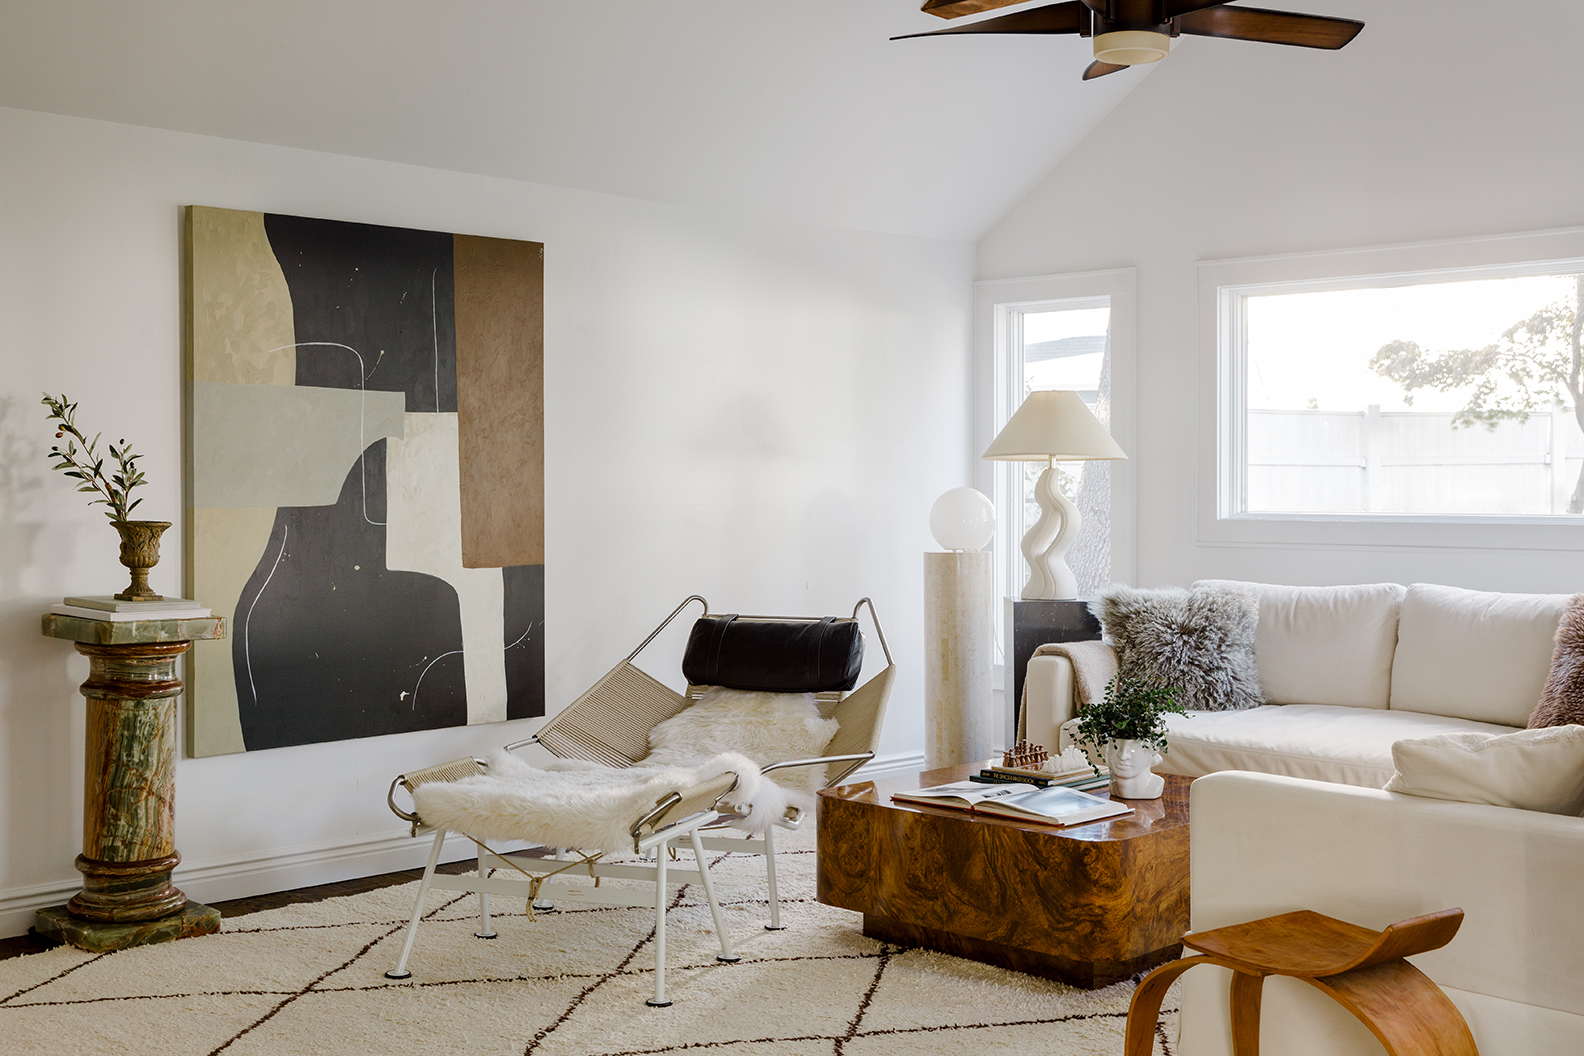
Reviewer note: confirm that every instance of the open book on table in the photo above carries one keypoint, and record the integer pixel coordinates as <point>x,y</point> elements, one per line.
<point>1052,806</point>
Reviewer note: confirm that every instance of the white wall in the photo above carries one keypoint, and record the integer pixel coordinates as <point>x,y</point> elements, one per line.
<point>1438,121</point>
<point>757,411</point>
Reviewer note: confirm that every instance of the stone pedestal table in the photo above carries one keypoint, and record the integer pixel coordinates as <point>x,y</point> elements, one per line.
<point>129,786</point>
<point>958,636</point>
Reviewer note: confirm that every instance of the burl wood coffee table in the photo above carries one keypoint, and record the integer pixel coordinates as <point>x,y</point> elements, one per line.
<point>1088,905</point>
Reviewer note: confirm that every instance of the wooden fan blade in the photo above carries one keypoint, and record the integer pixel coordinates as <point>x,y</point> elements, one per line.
<point>1271,27</point>
<point>1100,69</point>
<point>959,8</point>
<point>1054,18</point>
<point>1183,7</point>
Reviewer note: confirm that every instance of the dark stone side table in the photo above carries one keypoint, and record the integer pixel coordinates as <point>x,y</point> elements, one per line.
<point>129,786</point>
<point>1027,625</point>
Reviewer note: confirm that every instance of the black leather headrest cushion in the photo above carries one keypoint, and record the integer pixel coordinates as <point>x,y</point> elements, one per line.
<point>774,656</point>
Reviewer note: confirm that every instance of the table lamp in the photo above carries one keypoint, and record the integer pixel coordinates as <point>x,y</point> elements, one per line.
<point>1052,426</point>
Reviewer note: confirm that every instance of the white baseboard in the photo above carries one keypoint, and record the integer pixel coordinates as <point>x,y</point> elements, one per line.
<point>18,904</point>
<point>304,865</point>
<point>243,875</point>
<point>887,765</point>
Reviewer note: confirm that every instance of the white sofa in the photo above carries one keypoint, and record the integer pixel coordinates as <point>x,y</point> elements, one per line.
<point>1300,821</point>
<point>1347,671</point>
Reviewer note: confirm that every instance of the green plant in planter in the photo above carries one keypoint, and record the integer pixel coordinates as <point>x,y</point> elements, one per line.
<point>139,539</point>
<point>88,467</point>
<point>1132,709</point>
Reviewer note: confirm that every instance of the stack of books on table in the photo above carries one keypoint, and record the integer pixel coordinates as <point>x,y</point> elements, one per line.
<point>1084,778</point>
<point>107,607</point>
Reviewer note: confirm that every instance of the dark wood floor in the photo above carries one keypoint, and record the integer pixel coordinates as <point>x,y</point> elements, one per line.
<point>236,907</point>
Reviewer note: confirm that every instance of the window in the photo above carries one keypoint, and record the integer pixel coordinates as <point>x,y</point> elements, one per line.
<point>1058,332</point>
<point>1433,398</point>
<point>1449,398</point>
<point>1058,345</point>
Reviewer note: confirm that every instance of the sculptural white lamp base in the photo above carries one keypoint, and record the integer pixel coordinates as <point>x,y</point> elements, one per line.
<point>1046,544</point>
<point>1052,426</point>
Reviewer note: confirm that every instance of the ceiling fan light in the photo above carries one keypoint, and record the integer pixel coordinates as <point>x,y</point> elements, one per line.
<point>1131,47</point>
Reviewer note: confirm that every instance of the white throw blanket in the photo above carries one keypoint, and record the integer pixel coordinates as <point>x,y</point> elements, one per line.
<point>572,803</point>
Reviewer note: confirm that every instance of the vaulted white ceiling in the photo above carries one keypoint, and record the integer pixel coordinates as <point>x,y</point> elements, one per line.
<point>795,109</point>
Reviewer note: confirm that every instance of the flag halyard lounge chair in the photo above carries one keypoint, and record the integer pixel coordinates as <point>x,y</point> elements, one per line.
<point>609,725</point>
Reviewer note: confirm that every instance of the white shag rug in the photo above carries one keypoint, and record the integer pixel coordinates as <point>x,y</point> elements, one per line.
<point>309,979</point>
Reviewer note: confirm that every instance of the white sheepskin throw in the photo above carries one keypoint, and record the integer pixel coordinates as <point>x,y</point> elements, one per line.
<point>766,727</point>
<point>574,803</point>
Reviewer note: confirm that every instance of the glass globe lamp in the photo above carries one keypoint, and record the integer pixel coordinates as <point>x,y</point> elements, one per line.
<point>962,519</point>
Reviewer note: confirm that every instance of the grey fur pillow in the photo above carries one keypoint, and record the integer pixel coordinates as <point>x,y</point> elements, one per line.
<point>1200,640</point>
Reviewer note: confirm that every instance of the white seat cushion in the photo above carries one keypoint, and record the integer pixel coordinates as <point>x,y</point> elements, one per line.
<point>1325,645</point>
<point>1321,742</point>
<point>1474,655</point>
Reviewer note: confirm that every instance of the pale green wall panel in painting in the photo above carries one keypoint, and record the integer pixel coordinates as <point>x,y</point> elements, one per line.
<point>284,445</point>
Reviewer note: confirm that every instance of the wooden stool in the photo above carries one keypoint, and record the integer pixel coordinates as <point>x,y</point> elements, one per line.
<point>1361,969</point>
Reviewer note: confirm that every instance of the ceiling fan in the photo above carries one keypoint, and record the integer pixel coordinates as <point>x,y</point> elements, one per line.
<point>1131,32</point>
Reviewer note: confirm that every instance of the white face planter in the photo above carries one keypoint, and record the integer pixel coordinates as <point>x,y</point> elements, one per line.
<point>1131,777</point>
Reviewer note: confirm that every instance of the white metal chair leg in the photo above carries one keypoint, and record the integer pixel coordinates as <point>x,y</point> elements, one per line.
<point>726,953</point>
<point>545,905</point>
<point>400,971</point>
<point>770,877</point>
<point>659,999</point>
<point>485,931</point>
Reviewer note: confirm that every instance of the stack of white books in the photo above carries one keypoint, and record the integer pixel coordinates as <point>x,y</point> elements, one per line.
<point>107,607</point>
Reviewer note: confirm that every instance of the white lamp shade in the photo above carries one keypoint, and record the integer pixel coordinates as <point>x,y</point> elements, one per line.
<point>1053,424</point>
<point>962,519</point>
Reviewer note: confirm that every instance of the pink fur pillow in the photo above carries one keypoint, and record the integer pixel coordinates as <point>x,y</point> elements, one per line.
<point>1562,699</point>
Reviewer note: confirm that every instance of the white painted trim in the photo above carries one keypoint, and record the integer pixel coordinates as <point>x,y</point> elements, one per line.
<point>889,766</point>
<point>1121,286</point>
<point>18,905</point>
<point>243,875</point>
<point>1222,286</point>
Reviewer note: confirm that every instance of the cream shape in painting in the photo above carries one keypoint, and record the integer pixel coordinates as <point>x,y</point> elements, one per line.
<point>424,534</point>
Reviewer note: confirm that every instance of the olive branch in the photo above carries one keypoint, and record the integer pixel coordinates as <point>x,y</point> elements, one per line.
<point>86,465</point>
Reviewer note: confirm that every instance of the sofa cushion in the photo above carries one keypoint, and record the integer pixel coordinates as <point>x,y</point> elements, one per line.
<point>1321,742</point>
<point>1325,645</point>
<point>1529,770</point>
<point>1473,655</point>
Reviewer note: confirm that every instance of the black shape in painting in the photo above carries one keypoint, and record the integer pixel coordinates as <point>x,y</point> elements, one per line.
<point>386,292</point>
<point>524,639</point>
<point>329,644</point>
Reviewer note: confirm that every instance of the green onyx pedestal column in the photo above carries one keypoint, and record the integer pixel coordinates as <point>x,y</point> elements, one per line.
<point>129,786</point>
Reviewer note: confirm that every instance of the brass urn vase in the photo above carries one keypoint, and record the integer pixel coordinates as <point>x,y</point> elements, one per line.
<point>140,552</point>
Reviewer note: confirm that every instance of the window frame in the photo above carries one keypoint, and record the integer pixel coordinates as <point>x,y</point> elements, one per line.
<point>998,307</point>
<point>1224,286</point>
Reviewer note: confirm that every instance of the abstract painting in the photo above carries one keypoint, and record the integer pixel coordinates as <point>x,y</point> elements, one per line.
<point>365,470</point>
